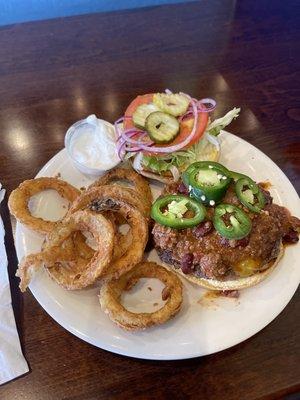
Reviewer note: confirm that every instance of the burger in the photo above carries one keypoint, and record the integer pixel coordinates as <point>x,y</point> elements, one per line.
<point>220,229</point>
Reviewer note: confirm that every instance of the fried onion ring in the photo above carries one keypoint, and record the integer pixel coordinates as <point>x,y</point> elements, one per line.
<point>62,264</point>
<point>140,185</point>
<point>119,200</point>
<point>111,291</point>
<point>122,240</point>
<point>81,247</point>
<point>77,243</point>
<point>19,198</point>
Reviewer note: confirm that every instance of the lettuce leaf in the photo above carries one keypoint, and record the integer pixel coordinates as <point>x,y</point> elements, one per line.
<point>180,159</point>
<point>215,127</point>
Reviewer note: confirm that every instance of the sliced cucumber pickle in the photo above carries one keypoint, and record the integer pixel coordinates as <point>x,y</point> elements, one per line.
<point>141,113</point>
<point>162,127</point>
<point>173,104</point>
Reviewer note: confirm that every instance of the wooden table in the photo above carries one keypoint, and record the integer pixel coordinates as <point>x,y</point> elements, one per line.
<point>55,72</point>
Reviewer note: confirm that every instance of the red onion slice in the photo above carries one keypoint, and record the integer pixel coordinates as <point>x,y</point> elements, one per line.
<point>187,115</point>
<point>209,104</point>
<point>121,150</point>
<point>117,128</point>
<point>129,133</point>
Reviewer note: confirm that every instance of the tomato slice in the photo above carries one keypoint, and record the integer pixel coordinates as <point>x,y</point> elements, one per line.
<point>138,101</point>
<point>186,126</point>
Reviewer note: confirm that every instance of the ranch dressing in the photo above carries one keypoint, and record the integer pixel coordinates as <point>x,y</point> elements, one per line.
<point>91,143</point>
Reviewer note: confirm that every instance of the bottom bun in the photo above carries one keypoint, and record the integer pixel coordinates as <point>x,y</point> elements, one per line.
<point>161,178</point>
<point>234,284</point>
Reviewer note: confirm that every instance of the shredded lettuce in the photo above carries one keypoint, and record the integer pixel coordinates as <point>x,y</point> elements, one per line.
<point>183,158</point>
<point>215,127</point>
<point>180,159</point>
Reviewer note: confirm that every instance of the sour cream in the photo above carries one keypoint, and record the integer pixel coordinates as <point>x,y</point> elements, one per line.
<point>91,143</point>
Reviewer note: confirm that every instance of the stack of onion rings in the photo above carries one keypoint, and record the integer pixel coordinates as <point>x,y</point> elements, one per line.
<point>86,246</point>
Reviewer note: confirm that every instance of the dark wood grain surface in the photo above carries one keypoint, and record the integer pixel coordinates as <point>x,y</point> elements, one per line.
<point>55,72</point>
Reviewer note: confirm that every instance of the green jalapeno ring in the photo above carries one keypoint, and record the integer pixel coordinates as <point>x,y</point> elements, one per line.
<point>203,164</point>
<point>240,224</point>
<point>205,193</point>
<point>237,175</point>
<point>254,188</point>
<point>173,221</point>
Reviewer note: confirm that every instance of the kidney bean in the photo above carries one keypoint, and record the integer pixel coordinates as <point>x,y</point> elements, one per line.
<point>187,263</point>
<point>202,229</point>
<point>291,237</point>
<point>242,242</point>
<point>183,189</point>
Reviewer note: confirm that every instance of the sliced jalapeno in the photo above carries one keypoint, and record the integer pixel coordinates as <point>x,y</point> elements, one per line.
<point>207,181</point>
<point>203,164</point>
<point>170,211</point>
<point>236,176</point>
<point>250,195</point>
<point>231,222</point>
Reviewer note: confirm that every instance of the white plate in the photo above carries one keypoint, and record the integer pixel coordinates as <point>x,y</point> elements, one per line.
<point>201,327</point>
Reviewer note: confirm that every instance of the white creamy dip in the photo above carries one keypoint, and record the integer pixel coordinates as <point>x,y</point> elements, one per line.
<point>92,143</point>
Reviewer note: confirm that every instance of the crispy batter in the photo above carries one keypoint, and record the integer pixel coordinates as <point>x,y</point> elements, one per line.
<point>111,291</point>
<point>140,185</point>
<point>33,262</point>
<point>122,244</point>
<point>82,249</point>
<point>122,241</point>
<point>19,198</point>
<point>77,245</point>
<point>63,264</point>
<point>119,200</point>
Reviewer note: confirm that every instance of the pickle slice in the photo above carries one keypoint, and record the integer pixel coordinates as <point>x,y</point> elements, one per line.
<point>173,104</point>
<point>162,127</point>
<point>141,113</point>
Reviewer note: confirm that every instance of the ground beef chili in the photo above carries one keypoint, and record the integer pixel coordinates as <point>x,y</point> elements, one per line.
<point>201,251</point>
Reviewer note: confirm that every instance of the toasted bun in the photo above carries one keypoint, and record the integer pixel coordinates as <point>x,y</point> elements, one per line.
<point>235,284</point>
<point>167,179</point>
